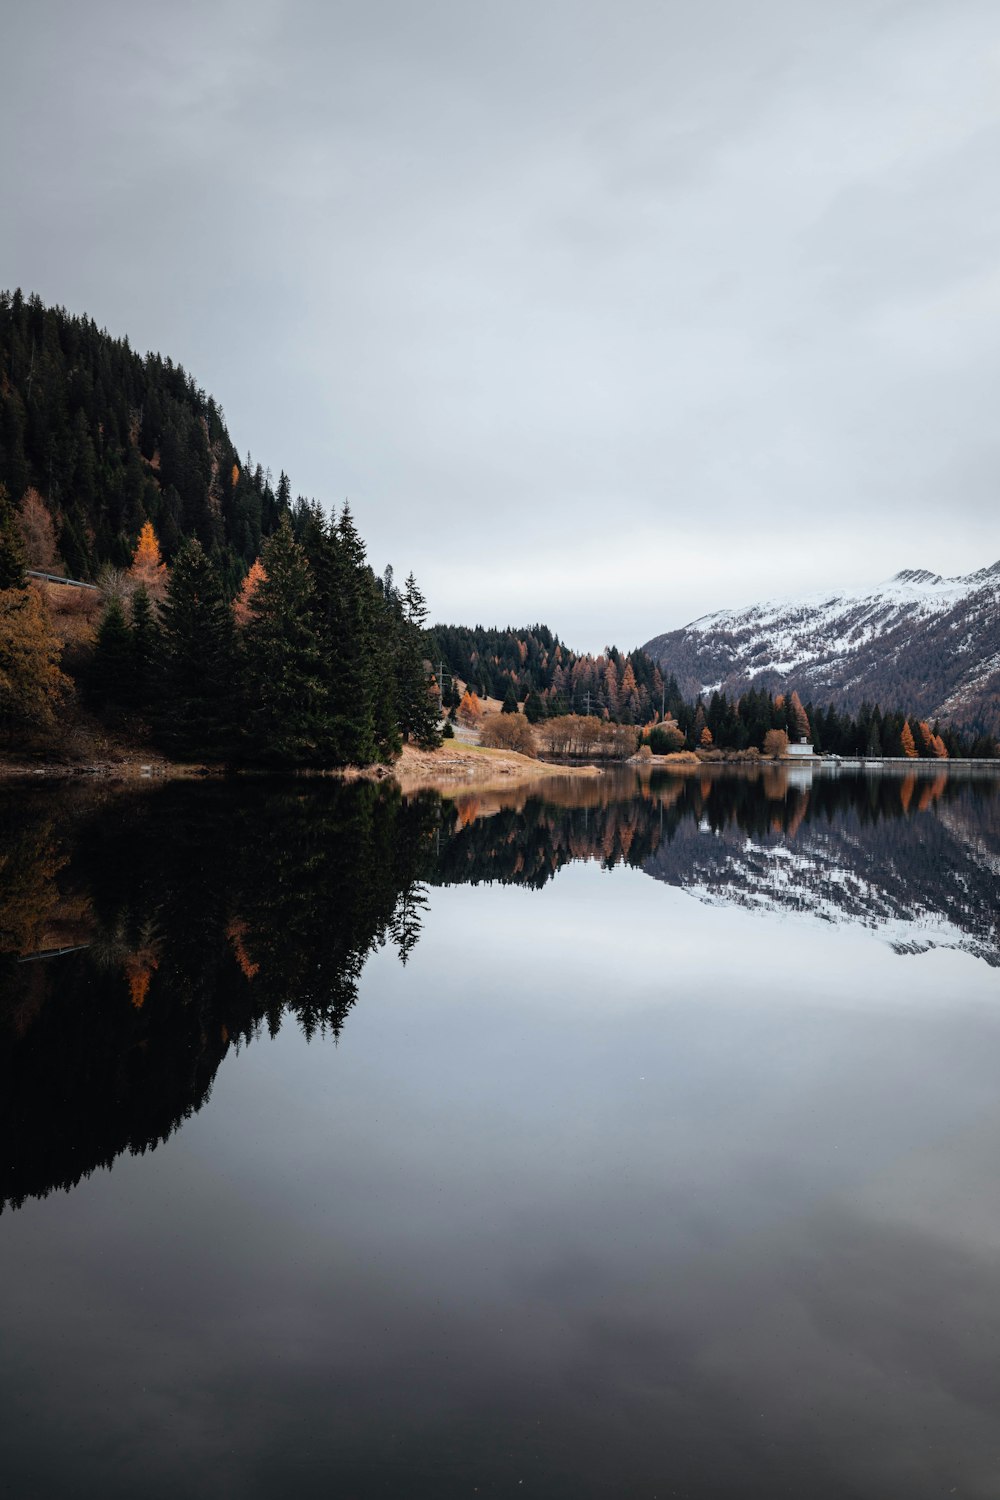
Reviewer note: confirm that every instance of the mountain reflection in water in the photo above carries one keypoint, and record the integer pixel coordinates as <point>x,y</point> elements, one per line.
<point>621,1186</point>
<point>143,934</point>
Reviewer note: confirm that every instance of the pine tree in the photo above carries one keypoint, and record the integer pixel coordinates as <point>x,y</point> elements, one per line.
<point>534,708</point>
<point>146,645</point>
<point>416,693</point>
<point>111,676</point>
<point>196,713</point>
<point>345,605</point>
<point>509,699</point>
<point>387,626</point>
<point>286,717</point>
<point>12,554</point>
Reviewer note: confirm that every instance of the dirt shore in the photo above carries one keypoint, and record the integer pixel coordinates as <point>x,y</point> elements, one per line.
<point>455,767</point>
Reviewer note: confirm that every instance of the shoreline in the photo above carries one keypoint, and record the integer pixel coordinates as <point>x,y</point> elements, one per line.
<point>453,767</point>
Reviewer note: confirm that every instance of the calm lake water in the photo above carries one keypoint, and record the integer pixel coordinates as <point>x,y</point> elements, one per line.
<point>619,1137</point>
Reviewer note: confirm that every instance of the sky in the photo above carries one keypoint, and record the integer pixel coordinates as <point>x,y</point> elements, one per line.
<point>601,314</point>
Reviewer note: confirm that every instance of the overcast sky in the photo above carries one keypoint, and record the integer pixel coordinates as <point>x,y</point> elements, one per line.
<point>602,314</point>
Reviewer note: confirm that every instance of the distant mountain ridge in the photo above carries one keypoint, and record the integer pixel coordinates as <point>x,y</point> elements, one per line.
<point>918,639</point>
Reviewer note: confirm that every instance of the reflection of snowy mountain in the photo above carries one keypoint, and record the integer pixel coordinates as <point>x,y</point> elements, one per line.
<point>928,882</point>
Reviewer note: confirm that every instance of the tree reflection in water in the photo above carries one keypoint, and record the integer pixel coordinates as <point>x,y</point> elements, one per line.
<point>145,933</point>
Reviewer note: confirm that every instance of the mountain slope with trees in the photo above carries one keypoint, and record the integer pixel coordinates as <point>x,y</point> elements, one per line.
<point>920,639</point>
<point>534,666</point>
<point>239,626</point>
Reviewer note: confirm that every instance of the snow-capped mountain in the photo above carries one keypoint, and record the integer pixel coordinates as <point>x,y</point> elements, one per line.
<point>927,643</point>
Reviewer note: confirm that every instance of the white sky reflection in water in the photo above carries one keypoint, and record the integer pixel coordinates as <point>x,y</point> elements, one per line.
<point>607,1189</point>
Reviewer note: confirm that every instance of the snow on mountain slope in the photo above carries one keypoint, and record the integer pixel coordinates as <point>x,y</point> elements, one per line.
<point>929,643</point>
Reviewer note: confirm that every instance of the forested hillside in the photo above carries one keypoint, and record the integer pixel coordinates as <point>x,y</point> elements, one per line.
<point>533,663</point>
<point>110,439</point>
<point>230,623</point>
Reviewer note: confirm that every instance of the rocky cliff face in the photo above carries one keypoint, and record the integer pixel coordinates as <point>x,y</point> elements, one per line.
<point>920,641</point>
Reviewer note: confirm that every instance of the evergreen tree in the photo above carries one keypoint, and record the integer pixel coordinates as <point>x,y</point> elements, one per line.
<point>534,708</point>
<point>416,693</point>
<point>387,623</point>
<point>196,714</point>
<point>145,650</point>
<point>285,699</point>
<point>12,555</point>
<point>112,669</point>
<point>345,604</point>
<point>509,699</point>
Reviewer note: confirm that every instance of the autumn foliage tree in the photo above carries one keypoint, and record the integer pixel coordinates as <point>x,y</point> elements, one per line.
<point>148,569</point>
<point>629,706</point>
<point>508,732</point>
<point>470,710</point>
<point>798,719</point>
<point>776,743</point>
<point>38,532</point>
<point>907,741</point>
<point>243,603</point>
<point>32,686</point>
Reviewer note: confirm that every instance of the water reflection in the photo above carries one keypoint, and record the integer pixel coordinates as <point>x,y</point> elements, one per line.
<point>914,857</point>
<point>608,1191</point>
<point>144,935</point>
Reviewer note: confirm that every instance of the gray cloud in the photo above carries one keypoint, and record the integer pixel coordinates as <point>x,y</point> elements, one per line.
<point>605,315</point>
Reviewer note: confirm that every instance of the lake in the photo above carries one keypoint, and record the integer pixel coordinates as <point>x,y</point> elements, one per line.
<point>633,1136</point>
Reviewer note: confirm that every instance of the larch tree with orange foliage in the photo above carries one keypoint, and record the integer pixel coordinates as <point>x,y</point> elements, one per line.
<point>39,533</point>
<point>32,687</point>
<point>798,718</point>
<point>244,601</point>
<point>148,568</point>
<point>907,741</point>
<point>470,710</point>
<point>629,704</point>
